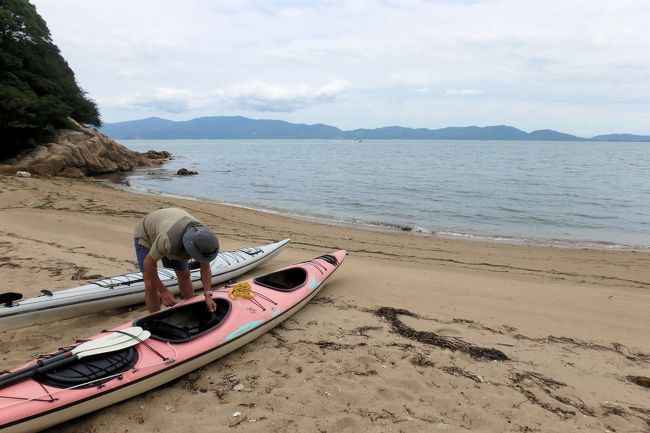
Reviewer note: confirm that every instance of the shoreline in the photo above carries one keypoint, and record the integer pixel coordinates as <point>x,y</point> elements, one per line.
<point>120,181</point>
<point>239,224</point>
<point>575,319</point>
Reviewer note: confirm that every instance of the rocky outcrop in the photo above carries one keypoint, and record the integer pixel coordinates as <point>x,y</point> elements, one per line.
<point>158,154</point>
<point>186,172</point>
<point>79,153</point>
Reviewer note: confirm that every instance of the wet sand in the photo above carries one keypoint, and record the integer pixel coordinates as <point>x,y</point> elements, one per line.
<point>573,324</point>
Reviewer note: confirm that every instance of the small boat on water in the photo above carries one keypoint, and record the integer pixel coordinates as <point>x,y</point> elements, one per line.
<point>155,349</point>
<point>122,290</point>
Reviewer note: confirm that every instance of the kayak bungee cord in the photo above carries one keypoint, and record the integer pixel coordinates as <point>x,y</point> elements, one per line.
<point>166,360</point>
<point>238,256</point>
<point>320,267</point>
<point>148,346</point>
<point>128,279</point>
<point>24,399</point>
<point>119,280</point>
<point>251,251</point>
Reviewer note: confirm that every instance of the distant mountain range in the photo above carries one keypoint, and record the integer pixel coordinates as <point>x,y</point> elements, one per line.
<point>237,127</point>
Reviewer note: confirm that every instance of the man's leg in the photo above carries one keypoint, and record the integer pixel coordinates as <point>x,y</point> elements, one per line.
<point>182,269</point>
<point>151,297</point>
<point>185,284</point>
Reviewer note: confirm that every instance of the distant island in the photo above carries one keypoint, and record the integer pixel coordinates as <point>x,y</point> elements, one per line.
<point>238,127</point>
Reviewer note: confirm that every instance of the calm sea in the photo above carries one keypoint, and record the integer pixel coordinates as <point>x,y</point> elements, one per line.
<point>564,193</point>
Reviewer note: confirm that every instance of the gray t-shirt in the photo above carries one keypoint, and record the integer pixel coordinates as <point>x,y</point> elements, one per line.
<point>162,232</point>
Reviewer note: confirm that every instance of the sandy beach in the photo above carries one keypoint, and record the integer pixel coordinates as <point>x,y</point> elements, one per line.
<point>572,323</point>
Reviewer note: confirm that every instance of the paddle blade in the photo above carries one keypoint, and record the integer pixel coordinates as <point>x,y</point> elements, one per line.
<point>117,346</point>
<point>129,335</point>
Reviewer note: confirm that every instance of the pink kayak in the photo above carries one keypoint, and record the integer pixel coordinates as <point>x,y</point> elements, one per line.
<point>114,366</point>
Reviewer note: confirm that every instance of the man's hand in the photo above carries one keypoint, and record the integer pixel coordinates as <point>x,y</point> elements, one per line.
<point>209,302</point>
<point>166,297</point>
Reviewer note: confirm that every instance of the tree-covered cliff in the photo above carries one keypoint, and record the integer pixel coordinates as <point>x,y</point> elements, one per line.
<point>38,90</point>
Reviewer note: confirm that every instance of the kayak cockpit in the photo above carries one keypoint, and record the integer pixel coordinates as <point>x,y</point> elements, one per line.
<point>91,371</point>
<point>184,322</point>
<point>286,280</point>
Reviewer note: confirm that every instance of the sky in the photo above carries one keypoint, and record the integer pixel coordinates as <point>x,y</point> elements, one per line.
<point>577,66</point>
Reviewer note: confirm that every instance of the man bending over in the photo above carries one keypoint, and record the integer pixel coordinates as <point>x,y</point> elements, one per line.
<point>174,236</point>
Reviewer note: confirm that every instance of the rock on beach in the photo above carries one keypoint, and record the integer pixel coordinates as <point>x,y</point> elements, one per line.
<point>80,153</point>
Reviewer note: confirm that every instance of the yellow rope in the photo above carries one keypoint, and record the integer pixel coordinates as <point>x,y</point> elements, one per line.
<point>242,290</point>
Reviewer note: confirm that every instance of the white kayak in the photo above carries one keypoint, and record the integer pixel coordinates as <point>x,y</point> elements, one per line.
<point>122,290</point>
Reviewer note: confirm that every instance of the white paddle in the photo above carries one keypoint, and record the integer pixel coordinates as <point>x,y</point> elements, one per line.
<point>112,345</point>
<point>108,339</point>
<point>112,342</point>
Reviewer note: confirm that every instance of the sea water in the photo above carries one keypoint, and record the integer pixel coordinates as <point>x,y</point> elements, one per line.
<point>564,193</point>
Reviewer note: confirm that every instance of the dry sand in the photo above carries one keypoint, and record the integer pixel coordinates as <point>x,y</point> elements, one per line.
<point>574,324</point>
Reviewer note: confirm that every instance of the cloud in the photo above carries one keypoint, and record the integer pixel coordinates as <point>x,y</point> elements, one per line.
<point>261,96</point>
<point>166,100</point>
<point>256,96</point>
<point>463,92</point>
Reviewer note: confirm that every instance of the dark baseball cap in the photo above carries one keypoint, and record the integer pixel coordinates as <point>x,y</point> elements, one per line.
<point>200,243</point>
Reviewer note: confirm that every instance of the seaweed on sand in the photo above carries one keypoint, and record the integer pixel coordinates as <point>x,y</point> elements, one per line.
<point>451,343</point>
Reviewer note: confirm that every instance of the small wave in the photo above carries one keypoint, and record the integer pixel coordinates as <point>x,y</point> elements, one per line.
<point>479,237</point>
<point>559,243</point>
<point>591,217</point>
<point>140,190</point>
<point>510,209</point>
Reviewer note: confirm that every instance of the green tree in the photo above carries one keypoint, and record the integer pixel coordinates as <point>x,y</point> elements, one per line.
<point>38,90</point>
